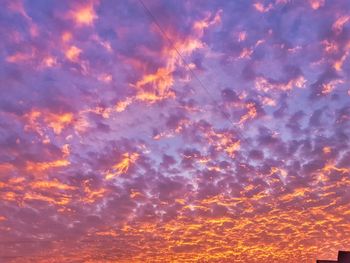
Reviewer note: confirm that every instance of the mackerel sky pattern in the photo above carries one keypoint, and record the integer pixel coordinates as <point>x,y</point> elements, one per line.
<point>219,133</point>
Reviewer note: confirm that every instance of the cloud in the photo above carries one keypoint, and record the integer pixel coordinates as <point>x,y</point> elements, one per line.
<point>114,147</point>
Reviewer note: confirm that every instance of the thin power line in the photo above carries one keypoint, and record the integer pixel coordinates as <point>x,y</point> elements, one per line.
<point>148,11</point>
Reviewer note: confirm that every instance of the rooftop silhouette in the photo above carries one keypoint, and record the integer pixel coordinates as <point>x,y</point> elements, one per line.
<point>343,257</point>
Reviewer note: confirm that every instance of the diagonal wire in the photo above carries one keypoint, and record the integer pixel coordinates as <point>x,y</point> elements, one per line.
<point>155,21</point>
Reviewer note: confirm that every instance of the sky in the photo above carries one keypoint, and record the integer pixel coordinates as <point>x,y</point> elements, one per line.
<point>174,131</point>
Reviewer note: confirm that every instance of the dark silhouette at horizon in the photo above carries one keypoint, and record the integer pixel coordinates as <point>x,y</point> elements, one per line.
<point>343,257</point>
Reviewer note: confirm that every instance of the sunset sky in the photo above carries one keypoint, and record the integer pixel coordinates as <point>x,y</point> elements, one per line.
<point>174,130</point>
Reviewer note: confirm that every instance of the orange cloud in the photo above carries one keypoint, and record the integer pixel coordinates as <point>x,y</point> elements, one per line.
<point>242,36</point>
<point>251,114</point>
<point>20,57</point>
<point>262,84</point>
<point>66,36</point>
<point>51,184</point>
<point>338,64</point>
<point>339,24</point>
<point>222,141</point>
<point>330,86</point>
<point>92,195</point>
<point>122,105</point>
<point>49,61</point>
<point>135,194</point>
<point>246,52</point>
<point>72,53</point>
<point>261,8</point>
<point>122,166</point>
<point>160,82</point>
<point>107,78</point>
<point>60,200</point>
<point>316,4</point>
<point>42,166</point>
<point>57,122</point>
<point>84,15</point>
<point>327,150</point>
<point>200,25</point>
<point>330,46</point>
